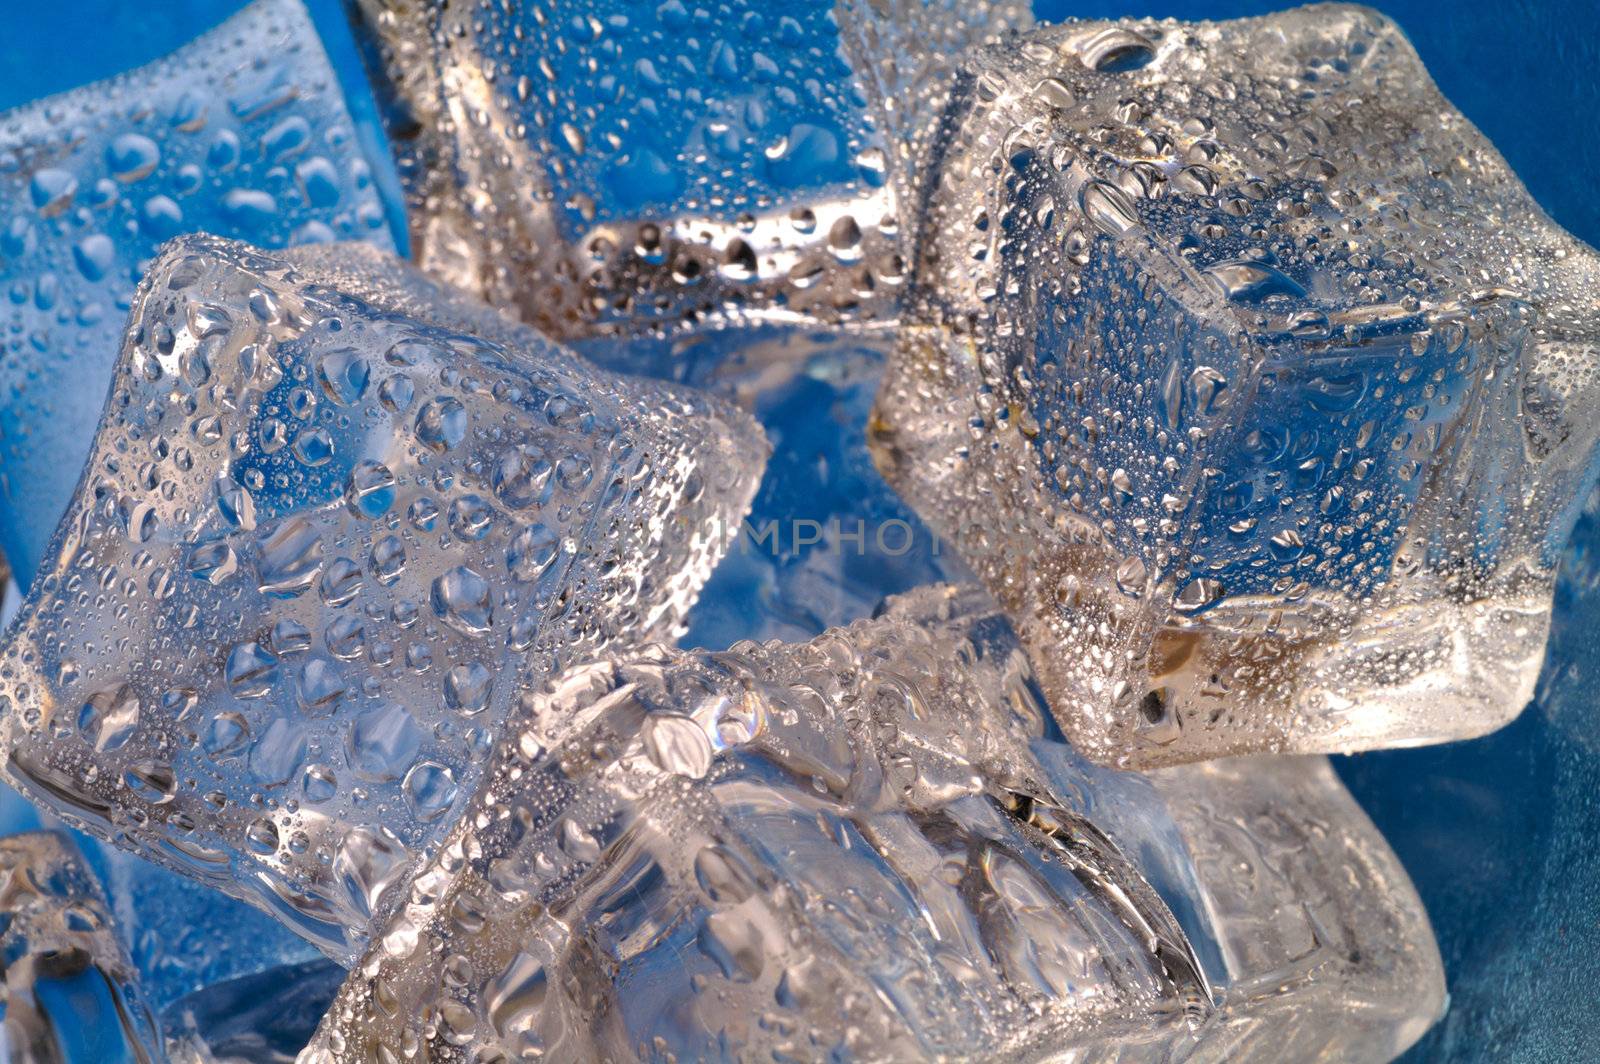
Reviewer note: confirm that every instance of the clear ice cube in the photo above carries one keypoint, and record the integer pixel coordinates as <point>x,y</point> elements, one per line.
<point>1250,380</point>
<point>242,133</point>
<point>334,518</point>
<point>601,166</point>
<point>876,846</point>
<point>70,992</point>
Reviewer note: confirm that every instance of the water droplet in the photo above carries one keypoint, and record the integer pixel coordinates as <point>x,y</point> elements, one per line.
<point>109,718</point>
<point>291,558</point>
<point>383,743</point>
<point>132,157</point>
<point>461,598</point>
<point>441,423</point>
<point>369,491</point>
<point>429,788</point>
<point>677,744</point>
<point>343,374</point>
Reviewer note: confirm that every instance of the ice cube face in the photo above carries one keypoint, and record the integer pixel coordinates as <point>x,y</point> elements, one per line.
<point>875,846</point>
<point>70,991</point>
<point>1250,380</point>
<point>334,516</point>
<point>242,133</point>
<point>601,166</point>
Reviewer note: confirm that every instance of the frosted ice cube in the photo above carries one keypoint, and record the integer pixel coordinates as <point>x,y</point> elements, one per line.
<point>70,992</point>
<point>875,846</point>
<point>242,133</point>
<point>331,521</point>
<point>1251,381</point>
<point>615,167</point>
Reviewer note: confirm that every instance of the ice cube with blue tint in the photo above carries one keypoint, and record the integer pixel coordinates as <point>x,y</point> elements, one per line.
<point>610,167</point>
<point>334,518</point>
<point>876,846</point>
<point>70,992</point>
<point>172,926</point>
<point>1251,381</point>
<point>242,133</point>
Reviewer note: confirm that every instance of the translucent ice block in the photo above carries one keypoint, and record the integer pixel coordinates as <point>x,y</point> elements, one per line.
<point>607,166</point>
<point>335,516</point>
<point>243,133</point>
<point>1251,381</point>
<point>875,846</point>
<point>70,994</point>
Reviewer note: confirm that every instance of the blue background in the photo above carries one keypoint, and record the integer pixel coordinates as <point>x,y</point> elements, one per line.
<point>1497,833</point>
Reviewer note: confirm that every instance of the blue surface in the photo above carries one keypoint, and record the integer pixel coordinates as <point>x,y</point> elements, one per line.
<point>1497,833</point>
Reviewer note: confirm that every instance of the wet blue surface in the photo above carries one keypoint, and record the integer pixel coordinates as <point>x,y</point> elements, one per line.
<point>1496,832</point>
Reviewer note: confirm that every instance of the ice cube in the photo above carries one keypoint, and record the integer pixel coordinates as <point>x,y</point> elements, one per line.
<point>1251,381</point>
<point>332,521</point>
<point>602,166</point>
<point>172,926</point>
<point>242,133</point>
<point>70,992</point>
<point>876,846</point>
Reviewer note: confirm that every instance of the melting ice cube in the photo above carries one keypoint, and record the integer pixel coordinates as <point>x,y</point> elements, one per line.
<point>1250,380</point>
<point>70,992</point>
<point>334,514</point>
<point>611,167</point>
<point>875,845</point>
<point>242,133</point>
